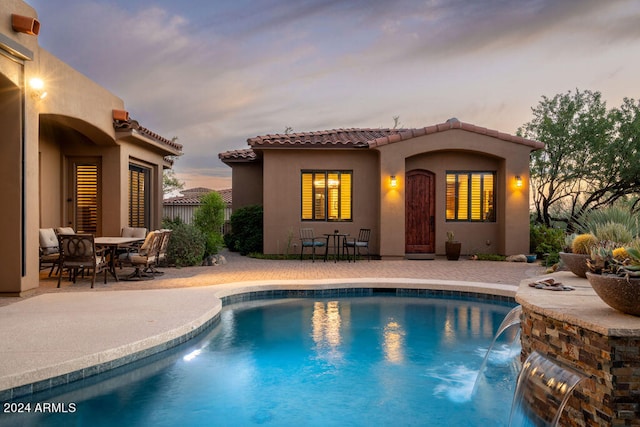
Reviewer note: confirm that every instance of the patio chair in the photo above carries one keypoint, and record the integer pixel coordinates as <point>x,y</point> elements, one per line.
<point>65,230</point>
<point>362,241</point>
<point>138,232</point>
<point>145,258</point>
<point>49,249</point>
<point>78,252</point>
<point>133,232</point>
<point>162,251</point>
<point>309,240</point>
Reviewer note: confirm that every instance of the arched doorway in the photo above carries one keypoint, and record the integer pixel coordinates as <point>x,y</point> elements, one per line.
<point>420,212</point>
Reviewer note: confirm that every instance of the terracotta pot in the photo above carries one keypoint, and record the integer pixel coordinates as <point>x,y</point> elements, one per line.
<point>452,250</point>
<point>577,263</point>
<point>618,292</point>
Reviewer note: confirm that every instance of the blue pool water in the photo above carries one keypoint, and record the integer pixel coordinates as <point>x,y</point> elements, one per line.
<point>358,361</point>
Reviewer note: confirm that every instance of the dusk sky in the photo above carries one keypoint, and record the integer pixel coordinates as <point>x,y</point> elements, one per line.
<point>214,73</point>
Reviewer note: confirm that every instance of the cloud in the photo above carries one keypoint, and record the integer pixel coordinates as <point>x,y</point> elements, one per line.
<point>216,73</point>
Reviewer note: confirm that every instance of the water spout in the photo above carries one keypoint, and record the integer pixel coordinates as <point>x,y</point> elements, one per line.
<point>545,385</point>
<point>512,318</point>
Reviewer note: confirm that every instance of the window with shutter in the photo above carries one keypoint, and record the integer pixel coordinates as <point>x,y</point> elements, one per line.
<point>326,195</point>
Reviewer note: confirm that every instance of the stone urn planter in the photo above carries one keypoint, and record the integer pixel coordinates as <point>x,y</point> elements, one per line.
<point>577,263</point>
<point>620,293</point>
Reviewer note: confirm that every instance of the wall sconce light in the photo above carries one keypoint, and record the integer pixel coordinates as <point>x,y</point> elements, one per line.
<point>518,181</point>
<point>393,182</point>
<point>37,89</point>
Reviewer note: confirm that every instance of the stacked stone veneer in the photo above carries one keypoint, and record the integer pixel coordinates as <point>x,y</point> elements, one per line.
<point>611,394</point>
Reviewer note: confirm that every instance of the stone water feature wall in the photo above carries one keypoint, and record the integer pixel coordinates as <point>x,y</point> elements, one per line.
<point>578,330</point>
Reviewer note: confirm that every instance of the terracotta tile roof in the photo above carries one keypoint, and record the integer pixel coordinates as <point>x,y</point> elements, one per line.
<point>226,195</point>
<point>449,125</point>
<point>182,200</point>
<point>194,196</point>
<point>245,155</point>
<point>134,125</point>
<point>333,138</point>
<point>361,138</point>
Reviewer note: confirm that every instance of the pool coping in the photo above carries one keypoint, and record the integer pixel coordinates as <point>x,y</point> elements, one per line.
<point>164,318</point>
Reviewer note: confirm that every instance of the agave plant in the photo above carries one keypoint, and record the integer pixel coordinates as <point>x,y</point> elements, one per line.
<point>608,258</point>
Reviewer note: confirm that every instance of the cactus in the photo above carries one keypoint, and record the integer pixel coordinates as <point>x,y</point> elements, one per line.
<point>620,254</point>
<point>606,257</point>
<point>583,243</point>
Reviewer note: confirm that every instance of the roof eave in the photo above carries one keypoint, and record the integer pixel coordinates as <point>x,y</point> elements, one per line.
<point>135,136</point>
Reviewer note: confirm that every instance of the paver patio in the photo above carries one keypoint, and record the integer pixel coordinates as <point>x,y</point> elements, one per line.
<point>241,269</point>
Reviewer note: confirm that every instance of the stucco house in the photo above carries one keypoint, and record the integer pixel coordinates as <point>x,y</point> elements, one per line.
<point>71,158</point>
<point>409,186</point>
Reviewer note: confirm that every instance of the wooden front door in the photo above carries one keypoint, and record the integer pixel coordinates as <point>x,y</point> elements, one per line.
<point>420,212</point>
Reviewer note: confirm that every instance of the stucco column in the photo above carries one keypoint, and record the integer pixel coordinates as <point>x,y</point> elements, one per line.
<point>392,204</point>
<point>516,221</point>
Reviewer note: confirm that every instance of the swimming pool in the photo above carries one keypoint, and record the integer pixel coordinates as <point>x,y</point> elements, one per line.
<point>381,360</point>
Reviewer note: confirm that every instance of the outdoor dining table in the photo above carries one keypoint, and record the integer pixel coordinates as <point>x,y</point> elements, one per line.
<point>336,243</point>
<point>113,243</point>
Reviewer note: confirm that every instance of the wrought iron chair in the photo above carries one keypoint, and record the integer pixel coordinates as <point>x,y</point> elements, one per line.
<point>309,240</point>
<point>362,241</point>
<point>49,249</point>
<point>145,258</point>
<point>138,232</point>
<point>162,251</point>
<point>65,230</point>
<point>133,232</point>
<point>77,253</point>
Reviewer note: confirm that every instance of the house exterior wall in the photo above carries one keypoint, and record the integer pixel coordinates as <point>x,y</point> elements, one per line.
<point>41,137</point>
<point>282,194</point>
<point>247,184</point>
<point>457,150</point>
<point>18,186</point>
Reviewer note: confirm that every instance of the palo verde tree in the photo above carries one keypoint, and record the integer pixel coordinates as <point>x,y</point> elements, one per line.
<point>591,155</point>
<point>170,182</point>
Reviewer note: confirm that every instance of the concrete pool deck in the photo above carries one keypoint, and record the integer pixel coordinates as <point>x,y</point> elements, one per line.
<point>55,336</point>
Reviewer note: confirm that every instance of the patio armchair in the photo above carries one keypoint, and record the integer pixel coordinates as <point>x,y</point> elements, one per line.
<point>78,253</point>
<point>133,232</point>
<point>144,259</point>
<point>137,232</point>
<point>162,251</point>
<point>49,249</point>
<point>65,230</point>
<point>362,241</point>
<point>309,240</point>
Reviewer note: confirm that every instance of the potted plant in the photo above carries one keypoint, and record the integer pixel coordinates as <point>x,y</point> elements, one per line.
<point>614,274</point>
<point>580,249</point>
<point>452,247</point>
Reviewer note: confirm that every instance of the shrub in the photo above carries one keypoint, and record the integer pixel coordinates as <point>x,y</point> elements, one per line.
<point>187,244</point>
<point>583,243</point>
<point>208,218</point>
<point>246,230</point>
<point>546,242</point>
